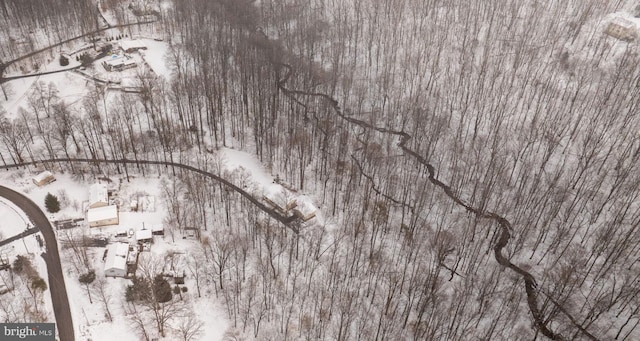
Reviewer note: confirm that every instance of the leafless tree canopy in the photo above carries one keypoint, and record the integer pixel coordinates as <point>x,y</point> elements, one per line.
<point>475,162</point>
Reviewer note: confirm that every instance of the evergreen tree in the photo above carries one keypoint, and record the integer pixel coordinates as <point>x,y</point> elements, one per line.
<point>64,61</point>
<point>21,263</point>
<point>162,289</point>
<point>38,283</point>
<point>51,203</point>
<point>88,278</point>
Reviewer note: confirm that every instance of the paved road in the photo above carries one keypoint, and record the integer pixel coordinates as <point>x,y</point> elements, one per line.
<point>58,289</point>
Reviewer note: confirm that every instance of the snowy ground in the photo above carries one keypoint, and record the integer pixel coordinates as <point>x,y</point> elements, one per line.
<point>156,57</point>
<point>72,87</point>
<point>89,318</point>
<point>260,182</point>
<point>12,220</point>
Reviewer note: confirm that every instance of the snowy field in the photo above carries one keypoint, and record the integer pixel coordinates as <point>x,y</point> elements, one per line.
<point>89,318</point>
<point>12,221</point>
<point>72,87</point>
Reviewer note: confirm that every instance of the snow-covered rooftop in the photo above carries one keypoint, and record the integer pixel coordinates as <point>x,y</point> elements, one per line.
<point>279,196</point>
<point>143,234</point>
<point>117,61</point>
<point>305,207</point>
<point>98,194</point>
<point>102,213</point>
<point>623,22</point>
<point>132,45</point>
<point>117,256</point>
<point>42,176</point>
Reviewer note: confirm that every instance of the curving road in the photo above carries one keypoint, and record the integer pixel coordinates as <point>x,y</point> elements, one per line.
<point>58,289</point>
<point>291,222</point>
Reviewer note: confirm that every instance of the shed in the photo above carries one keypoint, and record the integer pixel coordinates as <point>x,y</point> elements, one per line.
<point>43,178</point>
<point>98,196</point>
<point>144,235</point>
<point>157,230</point>
<point>132,45</point>
<point>622,29</point>
<point>116,263</point>
<point>102,216</point>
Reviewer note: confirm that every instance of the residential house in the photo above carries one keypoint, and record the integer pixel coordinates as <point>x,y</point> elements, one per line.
<point>103,216</point>
<point>279,198</point>
<point>116,262</point>
<point>118,63</point>
<point>622,29</point>
<point>304,210</point>
<point>98,195</point>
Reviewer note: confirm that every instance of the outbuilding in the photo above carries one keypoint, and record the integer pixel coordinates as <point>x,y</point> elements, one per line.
<point>157,230</point>
<point>144,235</point>
<point>129,46</point>
<point>43,178</point>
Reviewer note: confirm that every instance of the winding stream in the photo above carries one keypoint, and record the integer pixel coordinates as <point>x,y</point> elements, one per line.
<point>505,226</point>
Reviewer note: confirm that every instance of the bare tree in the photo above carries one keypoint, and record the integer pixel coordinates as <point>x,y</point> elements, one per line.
<point>196,264</point>
<point>189,326</point>
<point>103,296</point>
<point>137,319</point>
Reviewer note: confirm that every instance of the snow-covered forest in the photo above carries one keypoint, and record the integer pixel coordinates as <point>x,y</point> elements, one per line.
<point>474,161</point>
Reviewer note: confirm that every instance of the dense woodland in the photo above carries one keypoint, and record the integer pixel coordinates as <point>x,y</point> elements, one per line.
<point>28,25</point>
<point>525,110</point>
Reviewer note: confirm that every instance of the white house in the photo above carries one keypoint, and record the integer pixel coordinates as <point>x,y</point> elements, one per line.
<point>144,235</point>
<point>118,63</point>
<point>43,178</point>
<point>279,198</point>
<point>116,263</point>
<point>98,195</point>
<point>304,209</point>
<point>622,29</point>
<point>102,216</point>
